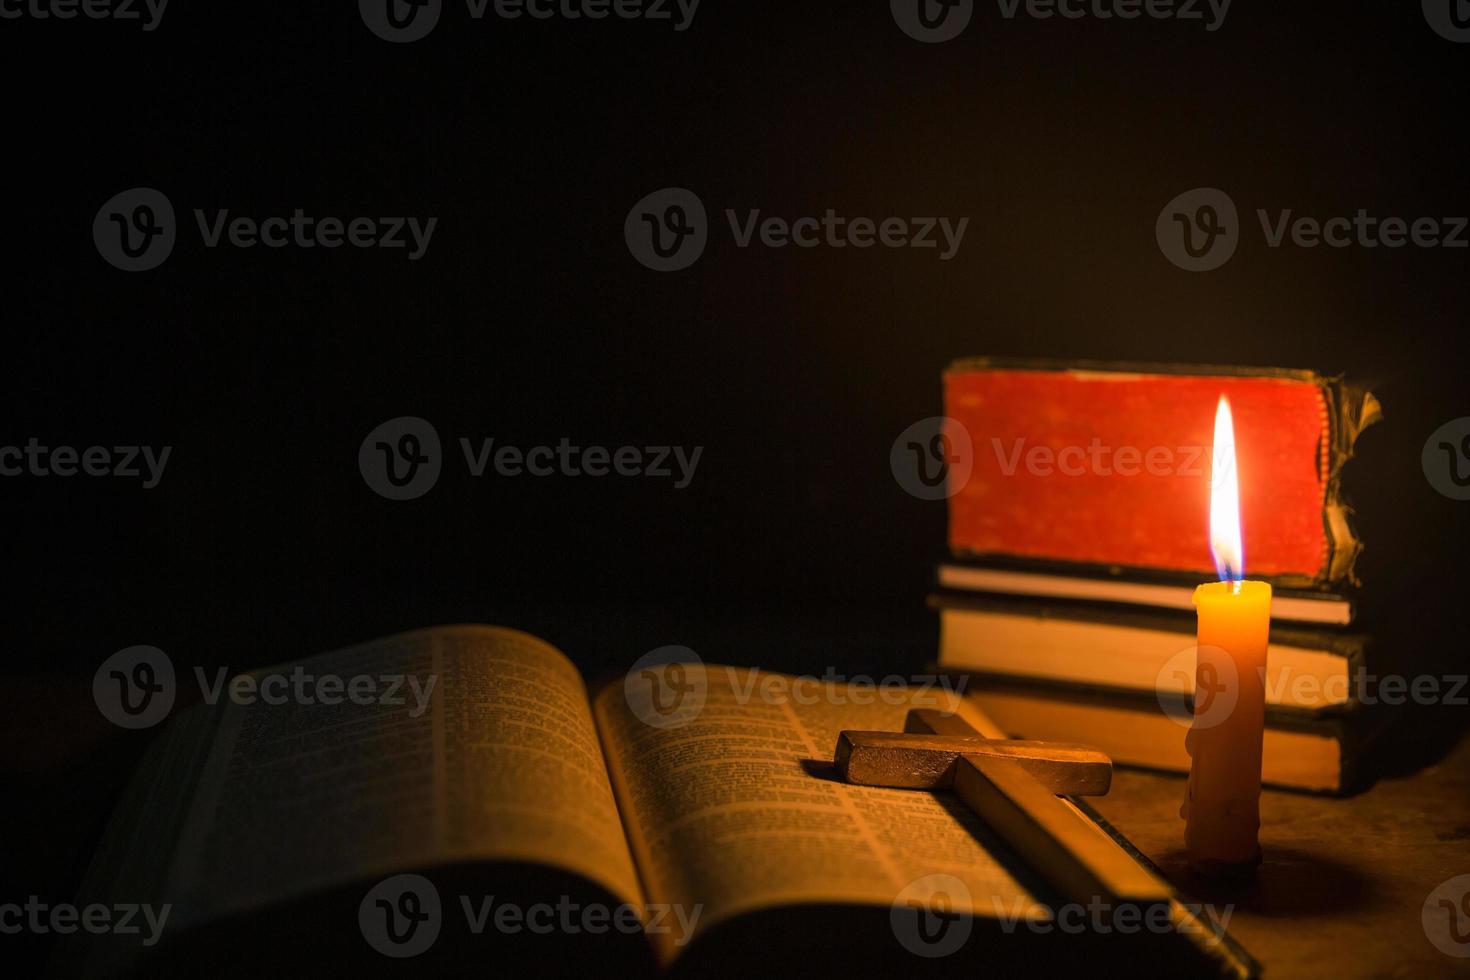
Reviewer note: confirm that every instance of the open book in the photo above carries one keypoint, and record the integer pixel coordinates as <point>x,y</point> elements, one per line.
<point>511,817</point>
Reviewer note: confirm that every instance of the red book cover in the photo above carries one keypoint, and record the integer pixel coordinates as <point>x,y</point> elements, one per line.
<point>1103,465</point>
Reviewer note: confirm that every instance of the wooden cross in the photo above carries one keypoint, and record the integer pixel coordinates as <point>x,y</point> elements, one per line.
<point>1013,787</point>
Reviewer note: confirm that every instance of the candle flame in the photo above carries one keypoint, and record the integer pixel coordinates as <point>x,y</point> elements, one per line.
<point>1225,542</point>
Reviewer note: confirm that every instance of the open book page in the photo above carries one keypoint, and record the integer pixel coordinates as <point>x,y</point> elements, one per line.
<point>486,751</point>
<point>731,803</point>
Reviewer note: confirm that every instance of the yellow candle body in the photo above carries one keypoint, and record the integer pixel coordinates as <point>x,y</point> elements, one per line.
<point>1222,808</point>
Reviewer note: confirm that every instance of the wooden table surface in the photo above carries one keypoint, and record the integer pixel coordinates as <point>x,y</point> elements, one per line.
<point>1340,893</point>
<point>1344,881</point>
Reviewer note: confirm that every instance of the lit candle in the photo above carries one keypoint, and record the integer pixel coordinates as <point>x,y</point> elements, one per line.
<point>1222,808</point>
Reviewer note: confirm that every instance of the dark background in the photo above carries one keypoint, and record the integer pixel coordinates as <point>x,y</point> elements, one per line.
<point>529,321</point>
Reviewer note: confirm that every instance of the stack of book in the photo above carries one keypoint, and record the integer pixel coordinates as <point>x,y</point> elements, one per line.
<point>1078,529</point>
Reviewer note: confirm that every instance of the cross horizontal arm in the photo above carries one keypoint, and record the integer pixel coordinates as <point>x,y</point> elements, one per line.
<point>920,761</point>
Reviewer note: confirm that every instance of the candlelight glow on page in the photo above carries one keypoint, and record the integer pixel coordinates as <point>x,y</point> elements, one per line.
<point>1225,543</point>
